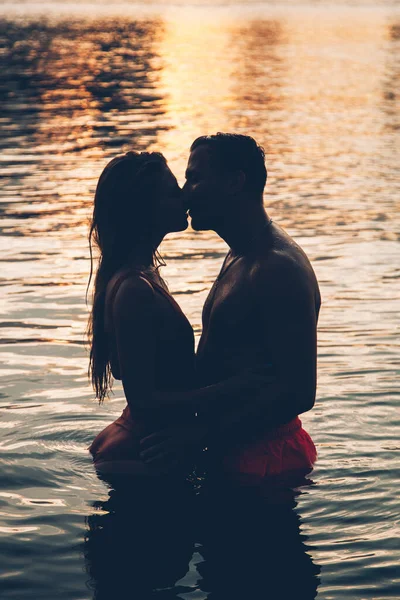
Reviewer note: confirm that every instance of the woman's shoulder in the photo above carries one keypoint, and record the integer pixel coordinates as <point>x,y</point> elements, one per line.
<point>126,286</point>
<point>125,291</point>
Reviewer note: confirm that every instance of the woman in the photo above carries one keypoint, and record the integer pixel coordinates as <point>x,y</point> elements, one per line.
<point>138,332</point>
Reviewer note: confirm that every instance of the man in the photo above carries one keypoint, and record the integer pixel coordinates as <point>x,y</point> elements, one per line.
<point>262,310</point>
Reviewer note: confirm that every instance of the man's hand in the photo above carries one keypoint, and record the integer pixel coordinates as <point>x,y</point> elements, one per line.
<point>172,447</point>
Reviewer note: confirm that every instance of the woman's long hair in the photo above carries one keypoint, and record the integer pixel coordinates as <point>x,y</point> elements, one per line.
<point>122,230</point>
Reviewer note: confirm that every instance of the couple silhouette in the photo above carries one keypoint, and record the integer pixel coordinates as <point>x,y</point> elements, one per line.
<point>208,457</point>
<point>232,408</point>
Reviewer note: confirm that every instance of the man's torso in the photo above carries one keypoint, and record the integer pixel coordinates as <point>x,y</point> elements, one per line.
<point>233,338</point>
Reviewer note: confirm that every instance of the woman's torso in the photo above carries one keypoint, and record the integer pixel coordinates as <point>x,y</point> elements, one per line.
<point>174,339</point>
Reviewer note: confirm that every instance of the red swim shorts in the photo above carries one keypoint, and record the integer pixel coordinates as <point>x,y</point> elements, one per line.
<point>286,449</point>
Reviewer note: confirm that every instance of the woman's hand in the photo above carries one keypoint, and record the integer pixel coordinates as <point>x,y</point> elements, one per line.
<point>174,446</point>
<point>167,449</point>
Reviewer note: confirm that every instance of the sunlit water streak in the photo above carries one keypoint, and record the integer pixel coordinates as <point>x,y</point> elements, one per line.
<point>319,88</point>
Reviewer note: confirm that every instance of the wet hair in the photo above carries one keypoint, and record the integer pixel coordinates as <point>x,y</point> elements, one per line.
<point>235,152</point>
<point>121,227</point>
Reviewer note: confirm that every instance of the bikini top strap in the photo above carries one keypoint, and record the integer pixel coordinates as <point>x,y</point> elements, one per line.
<point>163,291</point>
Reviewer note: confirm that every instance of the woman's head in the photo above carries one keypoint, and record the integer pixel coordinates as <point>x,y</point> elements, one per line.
<point>137,202</point>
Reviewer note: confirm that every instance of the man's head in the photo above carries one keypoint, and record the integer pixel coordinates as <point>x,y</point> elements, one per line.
<point>224,170</point>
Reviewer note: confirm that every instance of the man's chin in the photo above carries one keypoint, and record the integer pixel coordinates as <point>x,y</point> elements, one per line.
<point>199,224</point>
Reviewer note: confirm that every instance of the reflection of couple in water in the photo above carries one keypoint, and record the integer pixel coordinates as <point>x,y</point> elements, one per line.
<point>254,372</point>
<point>228,542</point>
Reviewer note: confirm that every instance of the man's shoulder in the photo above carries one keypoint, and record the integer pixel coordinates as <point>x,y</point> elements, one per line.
<point>284,268</point>
<point>277,261</point>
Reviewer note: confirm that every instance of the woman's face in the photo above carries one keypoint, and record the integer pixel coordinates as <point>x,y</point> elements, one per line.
<point>171,213</point>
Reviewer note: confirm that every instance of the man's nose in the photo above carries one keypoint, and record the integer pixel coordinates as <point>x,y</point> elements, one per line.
<point>186,192</point>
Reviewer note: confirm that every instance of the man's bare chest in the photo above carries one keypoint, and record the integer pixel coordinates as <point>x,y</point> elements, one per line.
<point>230,303</point>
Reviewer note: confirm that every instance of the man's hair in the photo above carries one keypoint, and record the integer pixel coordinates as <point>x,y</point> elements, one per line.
<point>235,152</point>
